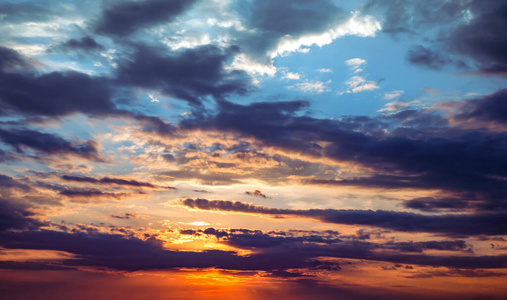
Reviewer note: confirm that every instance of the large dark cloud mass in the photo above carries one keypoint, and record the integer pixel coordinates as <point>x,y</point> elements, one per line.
<point>189,75</point>
<point>14,216</point>
<point>431,59</point>
<point>10,59</point>
<point>475,31</point>
<point>127,17</point>
<point>483,39</point>
<point>491,108</point>
<point>470,163</point>
<point>274,20</point>
<point>280,250</point>
<point>400,16</point>
<point>51,94</point>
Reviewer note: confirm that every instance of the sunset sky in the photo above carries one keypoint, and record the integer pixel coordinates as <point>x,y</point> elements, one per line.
<point>284,149</point>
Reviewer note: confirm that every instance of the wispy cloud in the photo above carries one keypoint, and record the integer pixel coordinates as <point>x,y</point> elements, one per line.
<point>312,87</point>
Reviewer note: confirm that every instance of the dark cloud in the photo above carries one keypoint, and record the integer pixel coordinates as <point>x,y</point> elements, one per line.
<point>255,193</point>
<point>126,216</point>
<point>280,250</point>
<point>491,223</point>
<point>131,254</point>
<point>156,124</point>
<point>21,139</point>
<point>25,11</point>
<point>456,273</point>
<point>483,38</point>
<point>429,58</point>
<point>126,17</point>
<point>109,180</point>
<point>444,158</point>
<point>190,75</point>
<point>89,194</point>
<point>401,16</point>
<point>9,182</point>
<point>6,156</point>
<point>293,17</point>
<point>471,29</point>
<point>490,108</point>
<point>317,244</point>
<point>419,247</point>
<point>256,239</point>
<point>215,232</point>
<point>29,265</point>
<point>86,44</point>
<point>431,204</point>
<point>60,94</point>
<point>202,191</point>
<point>273,20</point>
<point>16,216</point>
<point>54,94</point>
<point>11,59</point>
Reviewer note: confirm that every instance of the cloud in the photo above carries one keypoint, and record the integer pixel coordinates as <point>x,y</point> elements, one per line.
<point>86,44</point>
<point>25,11</point>
<point>315,87</point>
<point>274,20</point>
<point>14,215</point>
<point>189,75</point>
<point>109,180</point>
<point>491,223</point>
<point>283,27</point>
<point>473,31</point>
<point>431,204</point>
<point>276,250</point>
<point>11,59</point>
<point>456,273</point>
<point>434,158</point>
<point>355,63</point>
<point>124,18</point>
<point>411,17</point>
<point>482,39</point>
<point>255,193</point>
<point>46,143</point>
<point>324,70</point>
<point>393,94</point>
<point>397,106</point>
<point>89,194</point>
<point>51,94</point>
<point>291,76</point>
<point>489,108</point>
<point>360,84</point>
<point>357,24</point>
<point>428,58</point>
<point>132,254</point>
<point>126,216</point>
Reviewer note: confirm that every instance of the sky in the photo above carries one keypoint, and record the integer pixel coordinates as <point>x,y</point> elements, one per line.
<point>254,149</point>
